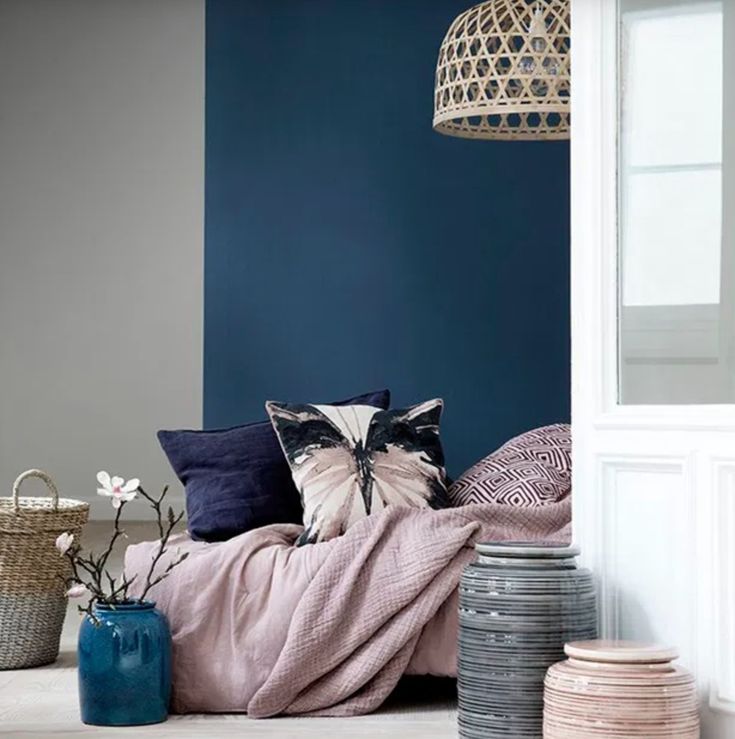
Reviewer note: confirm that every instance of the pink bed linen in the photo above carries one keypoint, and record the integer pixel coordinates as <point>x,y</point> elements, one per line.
<point>261,626</point>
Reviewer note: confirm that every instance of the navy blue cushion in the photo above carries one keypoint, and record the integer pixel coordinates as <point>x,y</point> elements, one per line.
<point>238,479</point>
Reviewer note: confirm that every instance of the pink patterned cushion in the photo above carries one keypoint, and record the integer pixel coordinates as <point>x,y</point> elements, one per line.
<point>529,470</point>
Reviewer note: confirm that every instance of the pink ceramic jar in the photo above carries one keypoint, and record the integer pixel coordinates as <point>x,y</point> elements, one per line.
<point>609,690</point>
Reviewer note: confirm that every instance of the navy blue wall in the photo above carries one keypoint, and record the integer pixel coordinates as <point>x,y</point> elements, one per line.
<point>349,247</point>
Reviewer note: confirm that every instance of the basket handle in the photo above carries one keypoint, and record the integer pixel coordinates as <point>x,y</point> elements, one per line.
<point>34,473</point>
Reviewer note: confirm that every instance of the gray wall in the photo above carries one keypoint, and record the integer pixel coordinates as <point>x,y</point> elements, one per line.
<point>101,219</point>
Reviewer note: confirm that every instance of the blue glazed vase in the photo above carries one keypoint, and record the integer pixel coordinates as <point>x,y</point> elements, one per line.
<point>124,666</point>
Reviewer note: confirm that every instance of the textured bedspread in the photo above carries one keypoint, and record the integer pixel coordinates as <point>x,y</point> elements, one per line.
<point>261,626</point>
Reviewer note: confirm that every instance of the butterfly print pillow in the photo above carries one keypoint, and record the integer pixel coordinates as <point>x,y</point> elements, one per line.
<point>350,461</point>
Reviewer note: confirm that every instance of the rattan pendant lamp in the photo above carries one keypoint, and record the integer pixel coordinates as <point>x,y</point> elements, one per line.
<point>503,72</point>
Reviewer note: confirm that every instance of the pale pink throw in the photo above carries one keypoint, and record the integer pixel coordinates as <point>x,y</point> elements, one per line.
<point>327,629</point>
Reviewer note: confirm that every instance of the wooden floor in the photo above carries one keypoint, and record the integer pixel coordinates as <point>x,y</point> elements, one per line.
<point>42,702</point>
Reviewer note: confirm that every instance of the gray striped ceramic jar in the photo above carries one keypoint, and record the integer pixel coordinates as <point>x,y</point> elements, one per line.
<point>518,605</point>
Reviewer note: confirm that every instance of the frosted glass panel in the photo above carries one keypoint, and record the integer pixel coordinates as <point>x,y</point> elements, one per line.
<point>672,103</point>
<point>673,237</point>
<point>676,164</point>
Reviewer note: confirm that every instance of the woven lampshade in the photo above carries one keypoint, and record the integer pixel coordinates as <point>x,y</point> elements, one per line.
<point>503,72</point>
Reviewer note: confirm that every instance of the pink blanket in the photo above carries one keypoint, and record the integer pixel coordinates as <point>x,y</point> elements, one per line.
<point>261,626</point>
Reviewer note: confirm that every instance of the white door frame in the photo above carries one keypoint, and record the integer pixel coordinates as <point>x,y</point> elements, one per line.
<point>620,453</point>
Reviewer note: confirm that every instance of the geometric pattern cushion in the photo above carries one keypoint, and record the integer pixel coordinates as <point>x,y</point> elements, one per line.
<point>529,470</point>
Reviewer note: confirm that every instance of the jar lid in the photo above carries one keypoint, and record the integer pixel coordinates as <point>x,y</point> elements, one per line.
<point>621,652</point>
<point>526,549</point>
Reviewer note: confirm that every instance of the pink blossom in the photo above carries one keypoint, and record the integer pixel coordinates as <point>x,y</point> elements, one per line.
<point>77,591</point>
<point>116,488</point>
<point>64,541</point>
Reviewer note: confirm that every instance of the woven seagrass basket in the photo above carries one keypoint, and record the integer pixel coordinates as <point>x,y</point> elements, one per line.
<point>32,592</point>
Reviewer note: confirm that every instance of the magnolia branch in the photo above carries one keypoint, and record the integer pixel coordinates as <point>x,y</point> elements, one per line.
<point>89,573</point>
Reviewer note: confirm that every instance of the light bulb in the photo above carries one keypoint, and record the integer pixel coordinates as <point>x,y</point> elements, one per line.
<point>527,65</point>
<point>537,26</point>
<point>551,66</point>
